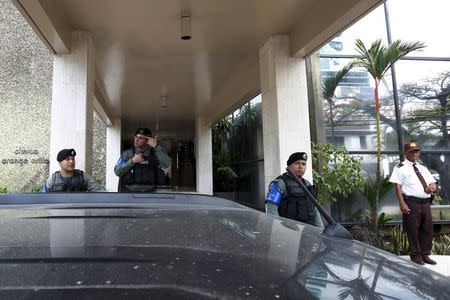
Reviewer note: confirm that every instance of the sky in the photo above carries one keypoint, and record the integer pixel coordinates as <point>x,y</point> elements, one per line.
<point>411,20</point>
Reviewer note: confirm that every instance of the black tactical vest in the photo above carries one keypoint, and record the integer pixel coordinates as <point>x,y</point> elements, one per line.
<point>296,205</point>
<point>74,183</point>
<point>146,173</point>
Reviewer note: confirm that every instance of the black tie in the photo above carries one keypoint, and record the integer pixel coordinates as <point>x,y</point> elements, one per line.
<point>422,181</point>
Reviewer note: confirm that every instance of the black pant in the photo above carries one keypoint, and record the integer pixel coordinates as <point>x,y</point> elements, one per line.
<point>419,227</point>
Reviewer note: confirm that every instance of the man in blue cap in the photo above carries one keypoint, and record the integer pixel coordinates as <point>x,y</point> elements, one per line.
<point>140,168</point>
<point>69,179</point>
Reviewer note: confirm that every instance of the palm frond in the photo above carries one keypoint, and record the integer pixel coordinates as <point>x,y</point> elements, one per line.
<point>385,187</point>
<point>357,288</point>
<point>331,83</point>
<point>378,59</point>
<point>366,58</point>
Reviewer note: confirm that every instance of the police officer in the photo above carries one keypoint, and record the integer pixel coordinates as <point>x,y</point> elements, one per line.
<point>139,168</point>
<point>69,179</point>
<point>290,198</point>
<point>415,188</point>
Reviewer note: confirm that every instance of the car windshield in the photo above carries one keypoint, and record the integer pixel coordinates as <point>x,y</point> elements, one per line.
<point>224,149</point>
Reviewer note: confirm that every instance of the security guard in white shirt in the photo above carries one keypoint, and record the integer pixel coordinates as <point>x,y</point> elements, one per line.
<point>415,188</point>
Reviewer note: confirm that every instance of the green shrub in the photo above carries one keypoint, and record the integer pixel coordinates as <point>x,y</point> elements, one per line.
<point>374,196</point>
<point>441,245</point>
<point>400,244</point>
<point>3,190</point>
<point>365,235</point>
<point>335,172</point>
<point>37,189</point>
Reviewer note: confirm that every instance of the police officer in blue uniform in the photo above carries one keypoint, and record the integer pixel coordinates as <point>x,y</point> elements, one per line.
<point>139,168</point>
<point>69,179</point>
<point>288,197</point>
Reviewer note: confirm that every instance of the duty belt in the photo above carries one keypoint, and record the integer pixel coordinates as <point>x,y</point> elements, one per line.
<point>416,199</point>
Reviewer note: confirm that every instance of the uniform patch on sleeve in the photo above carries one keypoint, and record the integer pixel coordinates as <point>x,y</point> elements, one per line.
<point>121,161</point>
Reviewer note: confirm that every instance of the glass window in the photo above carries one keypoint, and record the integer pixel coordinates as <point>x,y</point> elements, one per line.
<point>350,114</point>
<point>423,97</point>
<point>418,20</point>
<point>238,155</point>
<point>363,141</point>
<point>424,102</point>
<point>351,210</point>
<point>368,29</point>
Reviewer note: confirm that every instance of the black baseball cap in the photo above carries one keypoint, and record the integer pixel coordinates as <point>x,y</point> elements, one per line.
<point>144,131</point>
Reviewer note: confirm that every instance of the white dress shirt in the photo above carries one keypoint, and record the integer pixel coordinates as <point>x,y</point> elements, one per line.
<point>407,178</point>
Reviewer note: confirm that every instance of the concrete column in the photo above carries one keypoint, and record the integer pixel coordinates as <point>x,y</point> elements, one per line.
<point>284,106</point>
<point>72,102</point>
<point>315,99</point>
<point>113,134</point>
<point>204,156</point>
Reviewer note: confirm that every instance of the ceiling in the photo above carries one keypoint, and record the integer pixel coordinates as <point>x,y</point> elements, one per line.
<point>139,53</point>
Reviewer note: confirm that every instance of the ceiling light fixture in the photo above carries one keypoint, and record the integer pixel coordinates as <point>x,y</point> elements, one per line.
<point>163,96</point>
<point>163,100</point>
<point>186,26</point>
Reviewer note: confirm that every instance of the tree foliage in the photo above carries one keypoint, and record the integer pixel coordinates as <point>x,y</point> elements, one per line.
<point>377,60</point>
<point>330,83</point>
<point>335,172</point>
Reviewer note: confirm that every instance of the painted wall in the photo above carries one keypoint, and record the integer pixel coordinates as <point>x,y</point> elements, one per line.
<point>25,99</point>
<point>26,68</point>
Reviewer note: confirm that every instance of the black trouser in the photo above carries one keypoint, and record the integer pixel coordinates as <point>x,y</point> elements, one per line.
<point>419,226</point>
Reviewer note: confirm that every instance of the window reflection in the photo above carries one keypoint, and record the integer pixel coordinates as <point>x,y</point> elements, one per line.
<point>349,116</point>
<point>422,90</point>
<point>350,210</point>
<point>368,29</point>
<point>361,273</point>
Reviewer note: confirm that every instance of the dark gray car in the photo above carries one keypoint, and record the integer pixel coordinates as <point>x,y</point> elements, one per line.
<point>105,246</point>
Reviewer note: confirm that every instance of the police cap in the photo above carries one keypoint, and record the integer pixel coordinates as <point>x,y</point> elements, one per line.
<point>297,156</point>
<point>65,153</point>
<point>143,131</point>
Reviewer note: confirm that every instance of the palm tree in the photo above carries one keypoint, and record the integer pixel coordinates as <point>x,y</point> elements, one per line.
<point>377,60</point>
<point>329,87</point>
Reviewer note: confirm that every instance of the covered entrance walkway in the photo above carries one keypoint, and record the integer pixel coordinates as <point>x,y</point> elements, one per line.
<point>177,67</point>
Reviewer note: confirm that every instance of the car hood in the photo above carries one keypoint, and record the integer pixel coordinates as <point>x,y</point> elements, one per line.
<point>191,250</point>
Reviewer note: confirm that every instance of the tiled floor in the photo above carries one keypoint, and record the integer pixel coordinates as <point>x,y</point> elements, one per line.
<point>442,266</point>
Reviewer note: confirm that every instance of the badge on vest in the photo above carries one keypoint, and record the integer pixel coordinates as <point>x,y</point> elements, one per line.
<point>58,188</point>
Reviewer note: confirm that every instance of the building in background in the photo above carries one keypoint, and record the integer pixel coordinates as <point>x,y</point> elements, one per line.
<point>415,96</point>
<point>414,99</point>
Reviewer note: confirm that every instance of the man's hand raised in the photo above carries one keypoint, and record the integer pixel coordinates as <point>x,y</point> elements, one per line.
<point>152,142</point>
